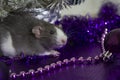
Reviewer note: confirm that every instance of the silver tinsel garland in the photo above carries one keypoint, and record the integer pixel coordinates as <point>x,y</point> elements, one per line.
<point>52,11</point>
<point>52,6</point>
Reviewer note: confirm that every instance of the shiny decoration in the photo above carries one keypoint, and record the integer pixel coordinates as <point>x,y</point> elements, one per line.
<point>46,15</point>
<point>74,61</point>
<point>7,6</point>
<point>52,11</point>
<point>103,39</point>
<point>112,41</point>
<point>103,57</point>
<point>57,5</point>
<point>84,29</point>
<point>80,30</point>
<point>75,2</point>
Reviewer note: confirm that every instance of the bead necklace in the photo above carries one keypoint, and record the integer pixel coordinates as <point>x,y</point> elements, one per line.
<point>103,57</point>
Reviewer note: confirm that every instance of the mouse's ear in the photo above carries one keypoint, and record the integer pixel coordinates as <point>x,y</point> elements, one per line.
<point>37,31</point>
<point>60,26</point>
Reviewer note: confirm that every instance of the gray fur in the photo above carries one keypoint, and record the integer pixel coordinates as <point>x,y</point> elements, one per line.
<point>20,28</point>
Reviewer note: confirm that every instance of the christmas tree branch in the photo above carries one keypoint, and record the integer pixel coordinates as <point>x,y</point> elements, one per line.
<point>7,6</point>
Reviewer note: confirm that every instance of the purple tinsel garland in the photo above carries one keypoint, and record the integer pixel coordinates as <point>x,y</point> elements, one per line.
<point>84,29</point>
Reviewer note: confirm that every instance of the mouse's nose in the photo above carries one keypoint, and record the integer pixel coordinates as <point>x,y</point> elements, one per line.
<point>64,41</point>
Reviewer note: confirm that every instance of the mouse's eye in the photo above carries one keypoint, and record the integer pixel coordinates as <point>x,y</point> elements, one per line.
<point>52,32</point>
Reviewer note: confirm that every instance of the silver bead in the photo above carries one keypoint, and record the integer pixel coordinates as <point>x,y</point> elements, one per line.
<point>10,71</point>
<point>73,59</point>
<point>103,39</point>
<point>13,75</point>
<point>27,73</point>
<point>89,58</point>
<point>36,72</point>
<point>101,55</point>
<point>31,71</point>
<point>81,59</point>
<point>106,29</point>
<point>53,65</point>
<point>59,63</point>
<point>22,73</point>
<point>106,32</point>
<point>103,35</point>
<point>96,57</point>
<point>40,69</point>
<point>106,23</point>
<point>66,61</point>
<point>47,67</point>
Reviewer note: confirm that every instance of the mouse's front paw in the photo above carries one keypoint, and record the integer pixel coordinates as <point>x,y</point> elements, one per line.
<point>54,53</point>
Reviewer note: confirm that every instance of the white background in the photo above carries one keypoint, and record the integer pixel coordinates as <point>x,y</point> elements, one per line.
<point>89,6</point>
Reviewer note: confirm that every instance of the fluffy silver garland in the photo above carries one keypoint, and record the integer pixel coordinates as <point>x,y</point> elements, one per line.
<point>51,5</point>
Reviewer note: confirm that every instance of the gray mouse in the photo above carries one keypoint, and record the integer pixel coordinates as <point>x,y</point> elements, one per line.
<point>22,32</point>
